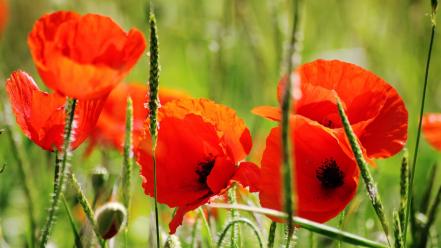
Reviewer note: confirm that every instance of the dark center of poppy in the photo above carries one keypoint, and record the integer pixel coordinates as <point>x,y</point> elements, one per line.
<point>204,169</point>
<point>329,174</point>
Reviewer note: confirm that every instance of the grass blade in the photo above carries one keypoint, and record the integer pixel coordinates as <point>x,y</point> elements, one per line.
<point>364,170</point>
<point>322,229</point>
<point>272,234</point>
<point>207,227</point>
<point>245,221</point>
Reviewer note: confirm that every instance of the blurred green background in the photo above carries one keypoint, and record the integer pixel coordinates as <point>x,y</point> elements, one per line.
<point>230,51</point>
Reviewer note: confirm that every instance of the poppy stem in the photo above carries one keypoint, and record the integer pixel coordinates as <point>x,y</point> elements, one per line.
<point>126,173</point>
<point>86,208</point>
<point>287,171</point>
<point>423,99</point>
<point>364,169</point>
<point>325,230</point>
<point>272,234</point>
<point>153,107</point>
<point>61,167</point>
<point>235,232</point>
<point>245,221</point>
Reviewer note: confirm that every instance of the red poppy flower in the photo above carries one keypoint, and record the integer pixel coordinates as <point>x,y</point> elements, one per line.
<point>432,129</point>
<point>326,175</point>
<point>375,110</point>
<point>41,116</point>
<point>83,57</point>
<point>201,145</point>
<point>3,14</point>
<point>110,128</point>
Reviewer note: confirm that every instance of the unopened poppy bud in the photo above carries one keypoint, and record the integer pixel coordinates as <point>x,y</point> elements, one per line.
<point>110,218</point>
<point>99,178</point>
<point>172,242</point>
<point>434,5</point>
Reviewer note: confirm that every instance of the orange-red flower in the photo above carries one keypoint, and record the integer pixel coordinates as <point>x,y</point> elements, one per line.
<point>432,129</point>
<point>326,176</point>
<point>41,116</point>
<point>375,110</point>
<point>83,57</point>
<point>3,14</point>
<point>200,152</point>
<point>110,128</point>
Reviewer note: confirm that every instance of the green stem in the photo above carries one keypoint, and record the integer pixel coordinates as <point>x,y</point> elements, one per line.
<point>325,230</point>
<point>59,181</point>
<point>286,171</point>
<point>369,181</point>
<point>404,187</point>
<point>72,223</point>
<point>431,217</point>
<point>153,107</point>
<point>272,234</point>
<point>423,99</point>
<point>127,166</point>
<point>194,231</point>
<point>207,227</point>
<point>397,231</point>
<point>235,232</point>
<point>86,208</point>
<point>247,222</point>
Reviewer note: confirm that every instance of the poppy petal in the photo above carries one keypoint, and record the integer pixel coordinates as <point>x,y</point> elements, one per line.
<point>432,129</point>
<point>221,174</point>
<point>326,177</point>
<point>271,113</point>
<point>248,175</point>
<point>232,129</point>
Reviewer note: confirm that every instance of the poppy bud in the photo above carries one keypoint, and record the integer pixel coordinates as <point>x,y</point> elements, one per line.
<point>110,218</point>
<point>434,5</point>
<point>99,179</point>
<point>172,242</point>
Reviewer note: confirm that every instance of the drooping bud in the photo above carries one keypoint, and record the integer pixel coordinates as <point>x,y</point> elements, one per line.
<point>434,5</point>
<point>172,242</point>
<point>99,179</point>
<point>110,218</point>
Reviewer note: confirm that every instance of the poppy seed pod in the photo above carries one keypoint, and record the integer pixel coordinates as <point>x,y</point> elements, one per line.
<point>99,178</point>
<point>172,242</point>
<point>110,218</point>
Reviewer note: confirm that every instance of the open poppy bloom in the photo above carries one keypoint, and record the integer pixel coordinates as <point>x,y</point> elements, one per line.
<point>201,147</point>
<point>41,116</point>
<point>432,129</point>
<point>376,112</point>
<point>326,174</point>
<point>83,57</point>
<point>110,128</point>
<point>3,14</point>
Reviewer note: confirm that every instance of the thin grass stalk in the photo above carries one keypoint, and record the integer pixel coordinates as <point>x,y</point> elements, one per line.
<point>153,107</point>
<point>245,221</point>
<point>423,99</point>
<point>72,223</point>
<point>340,224</point>
<point>404,189</point>
<point>23,170</point>
<point>312,240</point>
<point>86,208</point>
<point>369,181</point>
<point>398,234</point>
<point>61,166</point>
<point>287,172</point>
<point>127,165</point>
<point>330,232</point>
<point>272,234</point>
<point>235,232</point>
<point>194,231</point>
<point>431,217</point>
<point>207,227</point>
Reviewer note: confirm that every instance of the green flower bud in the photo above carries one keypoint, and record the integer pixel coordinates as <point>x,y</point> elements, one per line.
<point>110,218</point>
<point>99,179</point>
<point>172,242</point>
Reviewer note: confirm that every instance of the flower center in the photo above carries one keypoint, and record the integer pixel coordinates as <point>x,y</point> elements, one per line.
<point>204,169</point>
<point>329,174</point>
